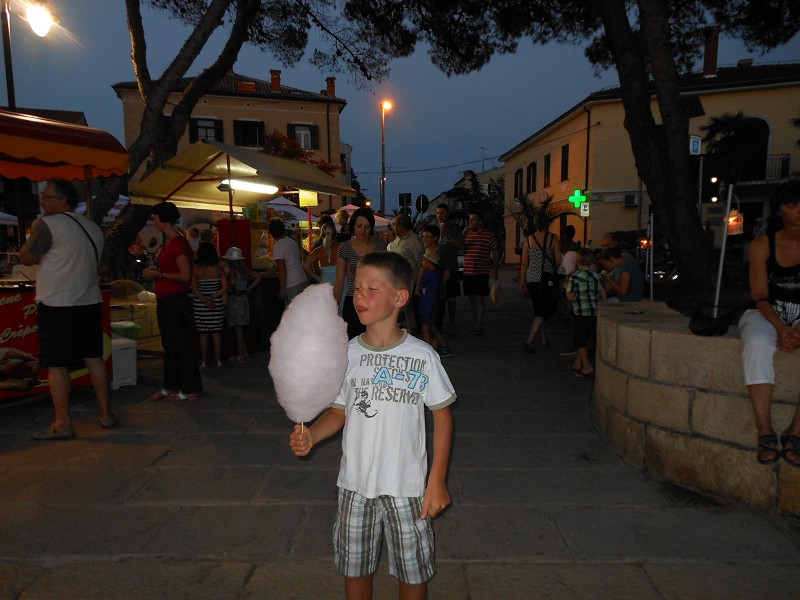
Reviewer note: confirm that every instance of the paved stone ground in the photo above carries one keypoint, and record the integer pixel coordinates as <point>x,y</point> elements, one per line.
<point>204,500</point>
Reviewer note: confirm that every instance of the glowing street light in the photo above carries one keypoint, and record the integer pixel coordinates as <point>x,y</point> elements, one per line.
<point>385,105</point>
<point>40,20</point>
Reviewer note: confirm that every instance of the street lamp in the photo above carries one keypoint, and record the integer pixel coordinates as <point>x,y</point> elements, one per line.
<point>385,105</point>
<point>40,20</point>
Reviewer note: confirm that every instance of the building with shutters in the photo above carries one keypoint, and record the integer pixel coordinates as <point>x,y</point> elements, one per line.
<point>241,110</point>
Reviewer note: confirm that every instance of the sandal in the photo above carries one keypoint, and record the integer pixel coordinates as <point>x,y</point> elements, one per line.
<point>794,440</point>
<point>51,433</point>
<point>768,443</point>
<point>159,395</point>
<point>180,397</point>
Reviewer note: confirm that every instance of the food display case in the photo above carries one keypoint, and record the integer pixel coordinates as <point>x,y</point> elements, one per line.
<point>20,372</point>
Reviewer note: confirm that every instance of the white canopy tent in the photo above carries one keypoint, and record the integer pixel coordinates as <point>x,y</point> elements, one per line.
<point>192,178</point>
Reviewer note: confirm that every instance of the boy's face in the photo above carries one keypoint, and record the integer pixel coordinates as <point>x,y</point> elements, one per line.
<point>375,299</point>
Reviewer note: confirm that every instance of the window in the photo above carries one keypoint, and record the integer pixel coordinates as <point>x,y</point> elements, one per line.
<point>518,183</point>
<point>249,134</point>
<point>205,129</point>
<point>306,135</point>
<point>546,182</point>
<point>531,178</point>
<point>564,162</point>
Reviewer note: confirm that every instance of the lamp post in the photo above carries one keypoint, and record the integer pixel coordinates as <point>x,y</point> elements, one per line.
<point>40,19</point>
<point>385,105</point>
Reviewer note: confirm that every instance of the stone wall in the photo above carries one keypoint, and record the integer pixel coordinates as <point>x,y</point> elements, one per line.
<point>675,404</point>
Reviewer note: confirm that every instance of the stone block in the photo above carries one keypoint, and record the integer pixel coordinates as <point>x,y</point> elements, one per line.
<point>724,417</point>
<point>612,386</point>
<point>787,377</point>
<point>607,340</point>
<point>710,466</point>
<point>633,349</point>
<point>662,405</point>
<point>626,437</point>
<point>789,489</point>
<point>708,363</point>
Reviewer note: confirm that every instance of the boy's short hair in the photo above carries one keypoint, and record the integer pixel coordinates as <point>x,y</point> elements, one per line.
<point>611,253</point>
<point>396,268</point>
<point>584,257</point>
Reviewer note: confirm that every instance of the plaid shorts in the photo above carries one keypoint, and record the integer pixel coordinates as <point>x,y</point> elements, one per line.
<point>358,533</point>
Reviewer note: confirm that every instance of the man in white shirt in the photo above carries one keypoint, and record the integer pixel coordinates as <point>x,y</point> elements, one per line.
<point>68,249</point>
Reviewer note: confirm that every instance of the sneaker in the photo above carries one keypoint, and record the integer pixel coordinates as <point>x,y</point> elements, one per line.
<point>445,352</point>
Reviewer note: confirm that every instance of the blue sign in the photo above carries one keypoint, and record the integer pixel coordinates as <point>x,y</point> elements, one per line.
<point>694,145</point>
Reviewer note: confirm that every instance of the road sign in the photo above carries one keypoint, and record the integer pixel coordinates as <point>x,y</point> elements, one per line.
<point>405,210</point>
<point>694,145</point>
<point>422,203</point>
<point>405,199</point>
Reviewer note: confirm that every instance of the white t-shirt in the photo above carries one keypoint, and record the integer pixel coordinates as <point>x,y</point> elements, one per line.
<point>384,395</point>
<point>286,249</point>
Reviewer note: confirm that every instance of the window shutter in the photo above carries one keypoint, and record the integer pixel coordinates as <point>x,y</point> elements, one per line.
<point>193,137</point>
<point>218,131</point>
<point>290,131</point>
<point>314,137</point>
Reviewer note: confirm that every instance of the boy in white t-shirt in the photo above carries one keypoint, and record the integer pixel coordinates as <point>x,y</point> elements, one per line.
<point>391,377</point>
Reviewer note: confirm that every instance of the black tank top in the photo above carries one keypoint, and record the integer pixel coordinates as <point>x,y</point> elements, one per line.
<point>784,282</point>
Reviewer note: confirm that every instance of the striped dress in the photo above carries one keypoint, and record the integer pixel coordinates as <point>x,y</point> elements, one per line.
<point>209,320</point>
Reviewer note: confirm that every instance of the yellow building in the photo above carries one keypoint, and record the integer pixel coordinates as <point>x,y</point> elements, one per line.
<point>587,149</point>
<point>241,110</point>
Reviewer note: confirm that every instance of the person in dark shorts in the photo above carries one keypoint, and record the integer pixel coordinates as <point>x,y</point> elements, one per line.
<point>481,261</point>
<point>69,251</point>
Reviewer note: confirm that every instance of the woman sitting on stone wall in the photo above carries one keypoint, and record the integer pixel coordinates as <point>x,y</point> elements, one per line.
<point>774,323</point>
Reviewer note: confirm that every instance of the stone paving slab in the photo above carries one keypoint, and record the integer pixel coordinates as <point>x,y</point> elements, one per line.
<point>204,500</point>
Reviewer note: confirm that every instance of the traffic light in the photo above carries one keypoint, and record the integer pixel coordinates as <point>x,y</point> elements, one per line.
<point>405,199</point>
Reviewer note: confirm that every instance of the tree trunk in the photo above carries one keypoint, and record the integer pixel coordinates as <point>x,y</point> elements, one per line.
<point>661,152</point>
<point>159,134</point>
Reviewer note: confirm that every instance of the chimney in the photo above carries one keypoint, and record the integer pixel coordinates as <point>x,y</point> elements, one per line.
<point>331,81</point>
<point>275,86</point>
<point>710,58</point>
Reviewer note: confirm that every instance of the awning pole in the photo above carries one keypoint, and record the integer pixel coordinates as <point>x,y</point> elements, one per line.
<point>230,199</point>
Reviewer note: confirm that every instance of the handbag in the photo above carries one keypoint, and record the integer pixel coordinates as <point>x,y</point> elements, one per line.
<point>702,321</point>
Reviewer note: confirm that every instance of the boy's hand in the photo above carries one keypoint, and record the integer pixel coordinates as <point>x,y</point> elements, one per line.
<point>300,440</point>
<point>436,500</point>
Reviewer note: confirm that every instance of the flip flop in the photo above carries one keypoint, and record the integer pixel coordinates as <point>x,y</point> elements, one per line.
<point>180,397</point>
<point>51,433</point>
<point>162,394</point>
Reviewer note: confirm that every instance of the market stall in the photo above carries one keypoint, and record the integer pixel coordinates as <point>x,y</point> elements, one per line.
<point>214,176</point>
<point>36,149</point>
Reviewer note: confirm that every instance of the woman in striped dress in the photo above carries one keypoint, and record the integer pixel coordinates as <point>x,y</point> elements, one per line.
<point>209,285</point>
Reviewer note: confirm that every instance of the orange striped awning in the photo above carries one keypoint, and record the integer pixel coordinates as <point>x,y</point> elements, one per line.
<point>38,149</point>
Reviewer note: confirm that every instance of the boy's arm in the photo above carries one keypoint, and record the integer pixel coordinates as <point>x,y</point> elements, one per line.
<point>436,496</point>
<point>302,439</point>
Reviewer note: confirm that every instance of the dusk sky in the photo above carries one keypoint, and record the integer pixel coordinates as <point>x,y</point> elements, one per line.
<point>438,128</point>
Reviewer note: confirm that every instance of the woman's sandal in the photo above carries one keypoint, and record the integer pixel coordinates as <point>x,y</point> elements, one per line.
<point>180,397</point>
<point>768,444</point>
<point>161,394</point>
<point>794,449</point>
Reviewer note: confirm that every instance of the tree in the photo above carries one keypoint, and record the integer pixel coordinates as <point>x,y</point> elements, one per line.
<point>649,42</point>
<point>738,140</point>
<point>279,144</point>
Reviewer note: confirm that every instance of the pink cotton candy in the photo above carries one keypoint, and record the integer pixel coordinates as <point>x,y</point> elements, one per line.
<point>308,354</point>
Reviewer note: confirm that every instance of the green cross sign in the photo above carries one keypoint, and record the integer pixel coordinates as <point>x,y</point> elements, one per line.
<point>577,198</point>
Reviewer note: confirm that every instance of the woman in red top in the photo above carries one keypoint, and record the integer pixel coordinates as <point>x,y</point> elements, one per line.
<point>172,281</point>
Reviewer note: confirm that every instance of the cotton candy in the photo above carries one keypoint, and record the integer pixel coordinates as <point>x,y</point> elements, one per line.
<point>308,354</point>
